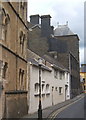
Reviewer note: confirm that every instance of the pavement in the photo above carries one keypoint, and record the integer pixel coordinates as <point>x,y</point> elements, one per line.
<point>47,111</point>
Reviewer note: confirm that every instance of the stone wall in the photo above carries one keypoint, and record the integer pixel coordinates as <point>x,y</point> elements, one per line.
<point>37,43</point>
<point>72,44</point>
<point>13,48</point>
<point>16,105</point>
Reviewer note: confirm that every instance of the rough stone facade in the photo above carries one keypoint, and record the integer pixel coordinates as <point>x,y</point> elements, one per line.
<point>70,59</point>
<point>13,64</point>
<point>37,43</point>
<point>72,42</point>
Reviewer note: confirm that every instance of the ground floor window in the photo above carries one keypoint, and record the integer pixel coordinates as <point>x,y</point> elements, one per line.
<point>36,87</point>
<point>60,90</point>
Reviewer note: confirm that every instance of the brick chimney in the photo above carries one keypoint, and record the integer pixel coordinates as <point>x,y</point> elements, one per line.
<point>45,25</point>
<point>34,19</point>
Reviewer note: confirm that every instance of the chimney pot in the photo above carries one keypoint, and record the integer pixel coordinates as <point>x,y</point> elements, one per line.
<point>34,19</point>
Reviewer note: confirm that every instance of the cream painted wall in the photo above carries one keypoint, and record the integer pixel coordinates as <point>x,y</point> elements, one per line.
<point>67,82</point>
<point>34,78</point>
<point>56,82</point>
<point>50,97</point>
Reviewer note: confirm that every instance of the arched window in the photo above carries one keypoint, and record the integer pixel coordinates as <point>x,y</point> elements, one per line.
<point>21,37</point>
<point>21,78</point>
<point>5,66</point>
<point>3,15</point>
<point>1,67</point>
<point>22,40</point>
<point>5,19</point>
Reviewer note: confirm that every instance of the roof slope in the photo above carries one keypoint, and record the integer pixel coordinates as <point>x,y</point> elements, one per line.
<point>62,30</point>
<point>54,62</point>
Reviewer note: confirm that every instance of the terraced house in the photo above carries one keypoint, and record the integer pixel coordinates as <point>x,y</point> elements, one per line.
<point>55,82</point>
<point>13,64</point>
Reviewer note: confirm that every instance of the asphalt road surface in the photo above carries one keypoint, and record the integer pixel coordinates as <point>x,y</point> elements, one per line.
<point>76,110</point>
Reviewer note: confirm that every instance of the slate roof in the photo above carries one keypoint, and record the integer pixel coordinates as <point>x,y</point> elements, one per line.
<point>34,62</point>
<point>34,26</point>
<point>62,30</point>
<point>54,62</point>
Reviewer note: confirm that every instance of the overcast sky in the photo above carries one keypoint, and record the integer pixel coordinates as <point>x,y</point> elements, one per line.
<point>62,11</point>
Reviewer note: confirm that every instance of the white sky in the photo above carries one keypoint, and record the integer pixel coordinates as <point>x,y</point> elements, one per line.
<point>62,11</point>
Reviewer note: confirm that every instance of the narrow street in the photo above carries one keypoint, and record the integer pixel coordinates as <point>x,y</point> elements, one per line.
<point>76,110</point>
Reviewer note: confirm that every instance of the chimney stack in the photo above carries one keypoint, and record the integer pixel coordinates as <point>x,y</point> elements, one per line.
<point>34,19</point>
<point>45,25</point>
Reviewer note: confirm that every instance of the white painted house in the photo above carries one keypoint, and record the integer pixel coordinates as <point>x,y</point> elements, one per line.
<point>54,84</point>
<point>34,86</point>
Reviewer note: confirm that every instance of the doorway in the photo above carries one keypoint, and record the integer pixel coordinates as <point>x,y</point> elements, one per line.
<point>52,95</point>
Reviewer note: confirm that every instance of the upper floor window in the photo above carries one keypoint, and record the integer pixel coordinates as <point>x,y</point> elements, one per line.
<point>5,19</point>
<point>1,66</point>
<point>21,78</point>
<point>22,9</point>
<point>67,76</point>
<point>60,74</point>
<point>56,73</point>
<point>22,4</point>
<point>3,69</point>
<point>22,40</point>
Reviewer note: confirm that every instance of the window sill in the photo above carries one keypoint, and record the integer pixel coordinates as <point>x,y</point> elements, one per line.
<point>43,94</point>
<point>48,93</point>
<point>36,94</point>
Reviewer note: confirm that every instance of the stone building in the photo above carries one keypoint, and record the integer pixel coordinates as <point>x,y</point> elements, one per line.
<point>39,33</point>
<point>68,54</point>
<point>13,64</point>
<point>61,42</point>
